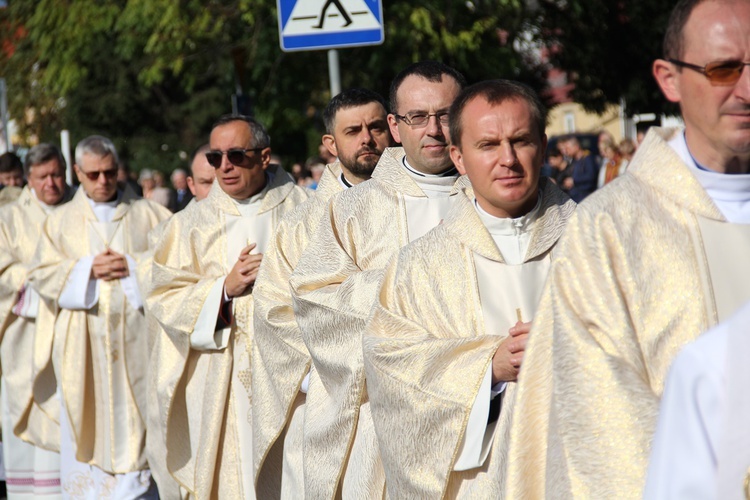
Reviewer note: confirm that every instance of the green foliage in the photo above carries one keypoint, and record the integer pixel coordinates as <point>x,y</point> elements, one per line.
<point>154,74</point>
<point>608,47</point>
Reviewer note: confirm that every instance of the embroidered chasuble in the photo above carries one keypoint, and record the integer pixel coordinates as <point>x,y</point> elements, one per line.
<point>30,425</point>
<point>99,349</point>
<point>637,275</point>
<point>446,303</point>
<point>203,379</point>
<point>333,288</point>
<point>280,360</point>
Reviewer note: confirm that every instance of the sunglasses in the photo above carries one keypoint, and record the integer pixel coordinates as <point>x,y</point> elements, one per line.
<point>236,156</point>
<point>108,174</point>
<point>717,72</point>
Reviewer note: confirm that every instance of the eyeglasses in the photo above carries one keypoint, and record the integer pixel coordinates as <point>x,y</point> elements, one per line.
<point>418,120</point>
<point>108,174</point>
<point>236,156</point>
<point>717,72</point>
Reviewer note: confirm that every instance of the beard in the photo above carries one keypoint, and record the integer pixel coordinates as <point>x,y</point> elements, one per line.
<point>361,167</point>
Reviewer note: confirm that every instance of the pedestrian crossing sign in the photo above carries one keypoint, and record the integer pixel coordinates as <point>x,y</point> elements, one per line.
<point>329,24</point>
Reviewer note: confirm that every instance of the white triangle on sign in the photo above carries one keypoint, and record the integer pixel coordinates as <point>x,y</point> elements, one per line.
<point>307,15</point>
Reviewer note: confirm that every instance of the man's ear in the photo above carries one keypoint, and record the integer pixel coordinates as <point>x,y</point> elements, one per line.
<point>457,158</point>
<point>393,125</point>
<point>668,78</point>
<point>330,143</point>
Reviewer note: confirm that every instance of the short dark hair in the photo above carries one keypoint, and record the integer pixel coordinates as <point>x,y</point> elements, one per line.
<point>202,149</point>
<point>432,71</point>
<point>349,98</point>
<point>9,162</point>
<point>674,41</point>
<point>496,92</point>
<point>42,153</point>
<point>261,139</point>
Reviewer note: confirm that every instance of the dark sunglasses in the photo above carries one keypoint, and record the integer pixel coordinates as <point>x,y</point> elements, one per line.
<point>717,72</point>
<point>236,156</point>
<point>108,174</point>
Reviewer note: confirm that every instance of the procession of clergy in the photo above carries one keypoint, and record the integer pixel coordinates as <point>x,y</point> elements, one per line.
<point>365,341</point>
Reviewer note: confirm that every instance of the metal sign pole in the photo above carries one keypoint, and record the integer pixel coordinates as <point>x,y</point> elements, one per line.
<point>4,114</point>
<point>334,75</point>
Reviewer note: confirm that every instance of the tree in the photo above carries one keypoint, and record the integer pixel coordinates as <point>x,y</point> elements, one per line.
<point>607,47</point>
<point>154,74</point>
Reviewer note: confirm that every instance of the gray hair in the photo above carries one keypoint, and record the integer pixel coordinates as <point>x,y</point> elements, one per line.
<point>261,139</point>
<point>96,145</point>
<point>42,153</point>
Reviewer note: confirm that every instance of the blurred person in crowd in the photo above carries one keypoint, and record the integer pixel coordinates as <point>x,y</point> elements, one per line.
<point>645,267</point>
<point>147,180</point>
<point>11,170</point>
<point>84,269</point>
<point>316,171</point>
<point>614,166</point>
<point>559,167</point>
<point>125,178</point>
<point>627,149</point>
<point>11,178</point>
<point>181,195</point>
<point>336,279</point>
<point>357,134</point>
<point>204,270</point>
<point>31,433</point>
<point>584,170</point>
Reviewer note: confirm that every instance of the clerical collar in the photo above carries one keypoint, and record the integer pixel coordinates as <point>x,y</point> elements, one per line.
<point>450,173</point>
<point>730,192</point>
<point>507,226</point>
<point>47,208</point>
<point>344,182</point>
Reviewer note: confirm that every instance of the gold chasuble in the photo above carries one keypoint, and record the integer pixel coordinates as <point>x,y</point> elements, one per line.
<point>9,194</point>
<point>35,420</point>
<point>333,287</point>
<point>280,360</point>
<point>204,387</point>
<point>445,305</point>
<point>635,277</point>
<point>99,354</point>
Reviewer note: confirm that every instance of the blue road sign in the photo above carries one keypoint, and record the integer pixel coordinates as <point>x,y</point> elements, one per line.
<point>329,24</point>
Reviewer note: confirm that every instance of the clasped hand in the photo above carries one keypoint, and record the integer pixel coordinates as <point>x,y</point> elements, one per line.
<point>506,363</point>
<point>242,276</point>
<point>109,265</point>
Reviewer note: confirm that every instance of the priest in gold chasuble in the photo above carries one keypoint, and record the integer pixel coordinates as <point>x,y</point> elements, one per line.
<point>447,333</point>
<point>646,265</point>
<point>357,133</point>
<point>205,266</point>
<point>31,430</point>
<point>336,280</point>
<point>85,267</point>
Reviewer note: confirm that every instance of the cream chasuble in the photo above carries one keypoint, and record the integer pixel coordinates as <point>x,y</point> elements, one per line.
<point>632,282</point>
<point>445,305</point>
<point>333,287</point>
<point>203,378</point>
<point>9,194</point>
<point>30,426</point>
<point>98,351</point>
<point>280,360</point>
